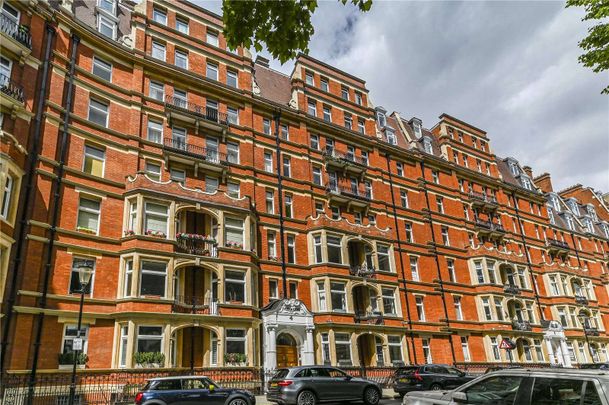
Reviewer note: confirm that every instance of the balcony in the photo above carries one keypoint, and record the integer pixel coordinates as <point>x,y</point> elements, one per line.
<point>18,32</point>
<point>483,202</point>
<point>512,289</point>
<point>489,229</point>
<point>369,318</point>
<point>591,331</point>
<point>557,247</point>
<point>363,271</point>
<point>196,114</point>
<point>196,245</point>
<point>185,304</point>
<point>347,162</point>
<point>188,153</point>
<point>581,300</point>
<point>11,89</point>
<point>351,195</point>
<point>523,326</point>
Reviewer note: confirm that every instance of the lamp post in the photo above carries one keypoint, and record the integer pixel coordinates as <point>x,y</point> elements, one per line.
<point>583,320</point>
<point>85,271</point>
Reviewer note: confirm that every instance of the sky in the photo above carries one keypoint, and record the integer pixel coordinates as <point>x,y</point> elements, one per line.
<point>509,68</point>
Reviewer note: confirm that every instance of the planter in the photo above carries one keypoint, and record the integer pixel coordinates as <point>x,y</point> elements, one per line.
<point>148,365</point>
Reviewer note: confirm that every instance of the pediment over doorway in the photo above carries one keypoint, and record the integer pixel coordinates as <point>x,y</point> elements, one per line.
<point>290,307</point>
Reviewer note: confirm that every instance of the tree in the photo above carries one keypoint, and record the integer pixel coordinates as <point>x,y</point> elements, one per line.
<point>283,26</point>
<point>596,44</point>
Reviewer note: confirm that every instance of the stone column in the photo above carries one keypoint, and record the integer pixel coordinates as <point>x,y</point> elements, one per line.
<point>564,353</point>
<point>553,356</point>
<point>270,357</point>
<point>309,352</point>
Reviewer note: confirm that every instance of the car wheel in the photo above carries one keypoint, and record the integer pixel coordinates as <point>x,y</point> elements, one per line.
<point>371,396</point>
<point>306,398</point>
<point>435,387</point>
<point>238,401</point>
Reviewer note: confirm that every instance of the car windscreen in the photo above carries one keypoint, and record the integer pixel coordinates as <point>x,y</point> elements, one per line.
<point>280,374</point>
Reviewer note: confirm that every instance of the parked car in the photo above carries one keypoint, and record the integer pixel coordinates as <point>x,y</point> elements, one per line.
<point>309,385</point>
<point>498,368</point>
<point>428,377</point>
<point>191,390</point>
<point>524,387</point>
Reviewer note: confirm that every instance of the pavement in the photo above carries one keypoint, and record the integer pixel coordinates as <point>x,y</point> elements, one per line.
<point>389,398</point>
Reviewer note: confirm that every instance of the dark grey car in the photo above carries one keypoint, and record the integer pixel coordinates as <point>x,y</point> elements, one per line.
<point>309,385</point>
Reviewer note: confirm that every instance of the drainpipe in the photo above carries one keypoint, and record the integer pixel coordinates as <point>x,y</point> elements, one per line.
<point>26,205</point>
<point>435,251</point>
<point>526,251</point>
<point>404,285</point>
<point>56,195</point>
<point>284,274</point>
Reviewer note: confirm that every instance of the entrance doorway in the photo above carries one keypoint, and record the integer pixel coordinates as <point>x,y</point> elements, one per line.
<point>287,351</point>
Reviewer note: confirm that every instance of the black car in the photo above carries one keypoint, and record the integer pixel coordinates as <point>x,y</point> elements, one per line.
<point>428,377</point>
<point>191,390</point>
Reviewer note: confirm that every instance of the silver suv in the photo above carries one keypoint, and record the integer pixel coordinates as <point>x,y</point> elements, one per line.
<point>309,385</point>
<point>524,387</point>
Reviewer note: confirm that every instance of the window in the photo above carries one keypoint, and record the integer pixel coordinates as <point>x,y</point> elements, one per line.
<point>124,339</point>
<point>495,349</point>
<point>288,206</point>
<point>435,176</point>
<point>271,243</point>
<point>312,108</point>
<point>486,308</point>
<point>98,112</point>
<point>211,184</point>
<point>232,155</point>
<point>270,201</point>
<point>88,215</point>
<point>389,307</point>
<point>344,93</point>
<point>156,91</point>
<point>106,5</point>
<point>382,120</point>
<point>182,25</point>
<point>233,229</point>
<point>425,343</point>
<point>231,78</point>
<point>177,175</point>
<point>538,350</point>
<point>212,71</point>
<point>319,208</point>
<point>266,126</point>
<point>414,268</point>
<point>327,114</point>
<point>498,308</point>
<point>314,142</point>
<point>128,281</point>
<point>404,198</point>
<point>324,84</point>
<point>212,37</point>
<point>153,171</point>
<point>334,249</point>
<point>287,165</point>
<point>159,16</point>
<point>343,348</point>
<point>348,122</point>
<point>427,146</point>
<point>399,168</point>
<point>284,132</point>
<point>335,212</point>
<point>383,257</point>
<point>153,278</point>
<point>292,289</point>
<point>390,135</point>
<point>181,59</point>
<point>106,26</point>
<point>394,344</point>
<point>155,219</point>
<point>235,341</point>
<point>445,239</point>
<point>70,333</point>
<point>268,162</point>
<point>75,286</point>
<point>235,286</point>
<point>291,249</point>
<point>325,348</point>
<point>155,131</point>
<point>409,234</point>
<point>317,179</point>
<point>440,204</point>
<point>479,272</point>
<point>6,197</point>
<point>338,297</point>
<point>358,98</point>
<point>365,157</point>
<point>317,248</point>
<point>309,78</point>
<point>149,339</point>
<point>465,348</point>
<point>420,308</point>
<point>273,289</point>
<point>450,264</point>
<point>102,69</point>
<point>158,50</point>
<point>93,162</point>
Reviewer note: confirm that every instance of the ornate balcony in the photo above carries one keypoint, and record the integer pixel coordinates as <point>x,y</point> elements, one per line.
<point>348,194</point>
<point>196,245</point>
<point>185,304</point>
<point>197,114</point>
<point>362,271</point>
<point>11,89</point>
<point>581,300</point>
<point>521,325</point>
<point>557,247</point>
<point>369,318</point>
<point>204,158</point>
<point>483,201</point>
<point>18,32</point>
<point>511,289</point>
<point>591,331</point>
<point>347,162</point>
<point>489,229</point>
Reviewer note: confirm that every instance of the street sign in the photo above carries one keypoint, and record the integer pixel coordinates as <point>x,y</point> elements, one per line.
<point>77,344</point>
<point>507,344</point>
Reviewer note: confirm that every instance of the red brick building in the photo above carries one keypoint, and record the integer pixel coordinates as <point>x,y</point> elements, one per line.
<point>236,216</point>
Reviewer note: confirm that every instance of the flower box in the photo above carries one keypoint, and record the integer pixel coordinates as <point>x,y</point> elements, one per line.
<point>156,234</point>
<point>86,230</point>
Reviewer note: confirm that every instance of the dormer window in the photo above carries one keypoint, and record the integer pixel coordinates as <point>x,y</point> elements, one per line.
<point>551,216</point>
<point>605,229</point>
<point>555,202</point>
<point>416,126</point>
<point>591,212</point>
<point>526,183</point>
<point>381,119</point>
<point>589,225</point>
<point>391,139</point>
<point>570,222</point>
<point>108,5</point>
<point>514,168</point>
<point>427,145</point>
<point>573,206</point>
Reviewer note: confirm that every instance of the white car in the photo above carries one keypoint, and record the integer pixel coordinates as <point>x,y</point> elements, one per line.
<point>524,387</point>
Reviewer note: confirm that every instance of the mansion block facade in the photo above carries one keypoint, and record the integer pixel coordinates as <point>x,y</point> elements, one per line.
<point>237,216</point>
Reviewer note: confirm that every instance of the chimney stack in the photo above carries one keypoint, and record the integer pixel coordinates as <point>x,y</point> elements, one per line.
<point>528,171</point>
<point>544,182</point>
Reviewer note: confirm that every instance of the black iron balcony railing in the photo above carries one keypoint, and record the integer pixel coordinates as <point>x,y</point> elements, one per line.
<point>580,299</point>
<point>197,245</point>
<point>490,226</point>
<point>11,89</point>
<point>209,155</point>
<point>482,197</point>
<point>511,289</point>
<point>590,330</point>
<point>187,304</point>
<point>207,113</point>
<point>369,317</point>
<point>557,244</point>
<point>362,270</point>
<point>521,325</point>
<point>345,157</point>
<point>19,32</point>
<point>350,190</point>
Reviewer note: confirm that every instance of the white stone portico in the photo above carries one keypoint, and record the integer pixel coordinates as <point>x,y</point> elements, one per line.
<point>556,344</point>
<point>287,316</point>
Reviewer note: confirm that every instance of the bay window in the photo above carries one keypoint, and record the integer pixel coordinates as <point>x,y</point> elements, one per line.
<point>338,297</point>
<point>233,229</point>
<point>234,281</point>
<point>153,276</point>
<point>156,219</point>
<point>149,339</point>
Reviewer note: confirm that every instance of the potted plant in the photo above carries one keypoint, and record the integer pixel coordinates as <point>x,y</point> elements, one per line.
<point>149,359</point>
<point>66,360</point>
<point>235,359</point>
<point>155,234</point>
<point>129,232</point>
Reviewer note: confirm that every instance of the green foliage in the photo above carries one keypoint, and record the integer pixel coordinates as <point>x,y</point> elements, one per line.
<point>149,358</point>
<point>596,44</point>
<point>284,26</point>
<point>235,358</point>
<point>68,358</point>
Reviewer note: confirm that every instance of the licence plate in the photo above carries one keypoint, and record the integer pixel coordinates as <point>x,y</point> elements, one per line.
<point>403,380</point>
<point>273,385</point>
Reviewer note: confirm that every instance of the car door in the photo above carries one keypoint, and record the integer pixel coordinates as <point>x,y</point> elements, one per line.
<point>345,385</point>
<point>454,377</point>
<point>564,391</point>
<point>169,391</point>
<point>323,384</point>
<point>498,389</point>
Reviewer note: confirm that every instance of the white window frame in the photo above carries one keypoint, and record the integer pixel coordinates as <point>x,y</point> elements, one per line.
<point>158,47</point>
<point>7,196</point>
<point>90,211</point>
<point>100,110</point>
<point>158,274</point>
<point>183,56</point>
<point>101,64</point>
